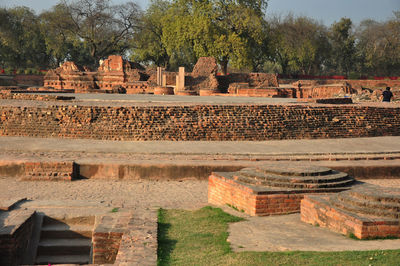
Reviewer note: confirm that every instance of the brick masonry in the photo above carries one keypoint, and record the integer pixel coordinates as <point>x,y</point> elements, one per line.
<point>200,122</point>
<point>14,238</point>
<point>273,189</point>
<point>126,238</point>
<point>8,95</point>
<point>222,191</point>
<point>317,211</point>
<point>50,171</point>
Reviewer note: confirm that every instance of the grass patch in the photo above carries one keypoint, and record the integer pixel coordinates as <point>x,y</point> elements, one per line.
<point>115,210</point>
<point>199,238</point>
<point>352,236</point>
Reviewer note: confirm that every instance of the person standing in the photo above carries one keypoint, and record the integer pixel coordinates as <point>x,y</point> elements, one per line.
<point>387,95</point>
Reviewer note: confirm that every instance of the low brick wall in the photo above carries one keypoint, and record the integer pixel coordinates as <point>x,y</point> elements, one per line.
<point>50,171</point>
<point>105,246</point>
<point>200,122</point>
<point>14,239</point>
<point>223,191</point>
<point>326,100</point>
<point>33,97</point>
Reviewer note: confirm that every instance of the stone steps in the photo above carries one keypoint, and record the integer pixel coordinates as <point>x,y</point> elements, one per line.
<point>65,241</point>
<point>66,231</point>
<point>60,246</point>
<point>62,259</point>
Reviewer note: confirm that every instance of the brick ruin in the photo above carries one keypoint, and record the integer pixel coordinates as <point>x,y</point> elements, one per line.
<point>324,198</point>
<point>116,75</point>
<point>41,232</point>
<point>212,122</point>
<point>273,189</point>
<point>366,212</point>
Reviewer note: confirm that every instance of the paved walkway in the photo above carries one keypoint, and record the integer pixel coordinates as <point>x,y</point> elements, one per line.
<point>377,145</point>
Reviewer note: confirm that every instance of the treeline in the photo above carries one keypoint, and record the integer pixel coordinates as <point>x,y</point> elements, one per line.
<point>177,32</point>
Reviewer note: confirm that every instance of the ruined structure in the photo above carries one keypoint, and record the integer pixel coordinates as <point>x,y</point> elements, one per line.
<point>112,74</point>
<point>273,189</point>
<point>134,79</point>
<point>116,75</point>
<point>365,211</point>
<point>201,121</point>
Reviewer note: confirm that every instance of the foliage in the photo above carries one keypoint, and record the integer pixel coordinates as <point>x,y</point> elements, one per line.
<point>98,26</point>
<point>300,45</point>
<point>379,46</point>
<point>147,44</point>
<point>199,238</point>
<point>173,33</point>
<point>231,31</point>
<point>343,46</point>
<point>21,42</point>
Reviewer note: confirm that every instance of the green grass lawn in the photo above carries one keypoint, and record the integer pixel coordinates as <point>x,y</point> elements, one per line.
<point>199,238</point>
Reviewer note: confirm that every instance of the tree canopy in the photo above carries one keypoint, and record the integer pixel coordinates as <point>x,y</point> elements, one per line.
<point>173,33</point>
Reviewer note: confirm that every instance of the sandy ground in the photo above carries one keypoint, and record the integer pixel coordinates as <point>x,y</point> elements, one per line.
<point>190,194</point>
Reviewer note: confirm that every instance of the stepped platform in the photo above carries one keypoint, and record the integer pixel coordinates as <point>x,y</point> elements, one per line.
<point>273,189</point>
<point>366,211</point>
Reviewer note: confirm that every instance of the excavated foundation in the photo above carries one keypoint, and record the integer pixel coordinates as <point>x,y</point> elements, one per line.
<point>273,189</point>
<point>74,233</point>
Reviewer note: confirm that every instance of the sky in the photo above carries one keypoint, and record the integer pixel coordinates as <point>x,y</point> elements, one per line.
<point>325,11</point>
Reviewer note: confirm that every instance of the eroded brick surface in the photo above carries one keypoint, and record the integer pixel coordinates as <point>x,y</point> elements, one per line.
<point>366,211</point>
<point>199,122</point>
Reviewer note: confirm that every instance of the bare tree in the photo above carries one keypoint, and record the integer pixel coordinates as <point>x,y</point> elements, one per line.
<point>104,28</point>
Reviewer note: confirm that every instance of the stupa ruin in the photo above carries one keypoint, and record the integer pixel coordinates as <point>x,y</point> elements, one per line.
<point>366,211</point>
<point>273,189</point>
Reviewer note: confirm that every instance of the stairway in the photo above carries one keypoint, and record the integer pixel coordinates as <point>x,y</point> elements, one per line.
<point>65,241</point>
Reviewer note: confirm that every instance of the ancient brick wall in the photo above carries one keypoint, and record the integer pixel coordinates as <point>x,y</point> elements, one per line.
<point>4,95</point>
<point>105,246</point>
<point>50,171</point>
<point>200,122</point>
<point>13,246</point>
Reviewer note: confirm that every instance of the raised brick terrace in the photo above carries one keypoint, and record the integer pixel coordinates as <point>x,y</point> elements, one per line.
<point>366,211</point>
<point>273,189</point>
<point>182,119</point>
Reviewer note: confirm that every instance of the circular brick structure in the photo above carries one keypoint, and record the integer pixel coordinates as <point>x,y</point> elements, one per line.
<point>365,211</point>
<point>273,189</point>
<point>369,200</point>
<point>303,178</point>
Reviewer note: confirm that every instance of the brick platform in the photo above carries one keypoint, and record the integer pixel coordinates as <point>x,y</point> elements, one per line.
<point>365,211</point>
<point>271,189</point>
<point>156,121</point>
